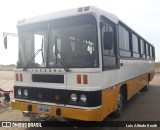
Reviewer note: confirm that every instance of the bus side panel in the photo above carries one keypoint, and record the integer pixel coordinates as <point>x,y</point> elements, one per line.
<point>136,84</point>
<point>109,100</point>
<point>110,95</point>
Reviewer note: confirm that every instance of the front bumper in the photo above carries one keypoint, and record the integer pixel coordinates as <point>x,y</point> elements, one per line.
<point>65,112</point>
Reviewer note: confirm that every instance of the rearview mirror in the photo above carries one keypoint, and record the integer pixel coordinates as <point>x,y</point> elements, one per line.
<point>108,40</point>
<point>5,40</point>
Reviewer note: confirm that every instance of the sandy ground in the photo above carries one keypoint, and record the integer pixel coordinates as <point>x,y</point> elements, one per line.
<point>142,107</point>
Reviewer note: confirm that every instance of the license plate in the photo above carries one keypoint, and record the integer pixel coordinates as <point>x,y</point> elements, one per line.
<point>44,109</point>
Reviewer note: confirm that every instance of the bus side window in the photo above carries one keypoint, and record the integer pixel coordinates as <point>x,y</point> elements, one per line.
<point>124,42</point>
<point>150,49</point>
<point>147,51</point>
<point>142,49</point>
<point>135,46</point>
<point>153,53</point>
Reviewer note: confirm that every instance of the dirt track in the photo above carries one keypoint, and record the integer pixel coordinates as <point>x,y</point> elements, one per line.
<point>142,107</point>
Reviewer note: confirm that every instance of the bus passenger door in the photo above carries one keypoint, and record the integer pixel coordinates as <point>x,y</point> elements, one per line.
<point>109,44</point>
<point>110,62</point>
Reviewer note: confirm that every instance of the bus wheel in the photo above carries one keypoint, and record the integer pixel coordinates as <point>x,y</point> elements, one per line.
<point>120,104</point>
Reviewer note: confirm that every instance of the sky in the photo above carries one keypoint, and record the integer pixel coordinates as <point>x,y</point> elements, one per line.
<point>143,16</point>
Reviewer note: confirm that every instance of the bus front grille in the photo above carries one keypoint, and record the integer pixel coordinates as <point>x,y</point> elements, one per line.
<point>47,78</point>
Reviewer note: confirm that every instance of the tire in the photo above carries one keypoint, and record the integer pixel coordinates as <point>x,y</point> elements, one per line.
<point>120,99</point>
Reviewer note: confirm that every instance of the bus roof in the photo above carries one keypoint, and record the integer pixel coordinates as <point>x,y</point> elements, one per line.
<point>68,13</point>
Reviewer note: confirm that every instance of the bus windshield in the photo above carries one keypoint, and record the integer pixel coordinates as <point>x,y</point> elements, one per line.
<point>70,41</point>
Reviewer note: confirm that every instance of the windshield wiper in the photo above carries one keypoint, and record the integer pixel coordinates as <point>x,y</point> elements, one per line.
<point>28,63</point>
<point>62,57</point>
<point>35,54</point>
<point>63,61</point>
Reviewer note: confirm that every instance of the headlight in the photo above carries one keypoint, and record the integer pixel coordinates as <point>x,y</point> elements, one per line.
<point>74,97</point>
<point>25,92</point>
<point>19,92</point>
<point>83,98</point>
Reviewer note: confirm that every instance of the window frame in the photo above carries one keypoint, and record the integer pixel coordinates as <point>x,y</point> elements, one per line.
<point>147,52</point>
<point>125,32</point>
<point>153,51</point>
<point>143,55</point>
<point>123,53</point>
<point>136,54</point>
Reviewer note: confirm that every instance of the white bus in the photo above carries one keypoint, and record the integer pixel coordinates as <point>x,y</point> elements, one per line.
<point>82,63</point>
